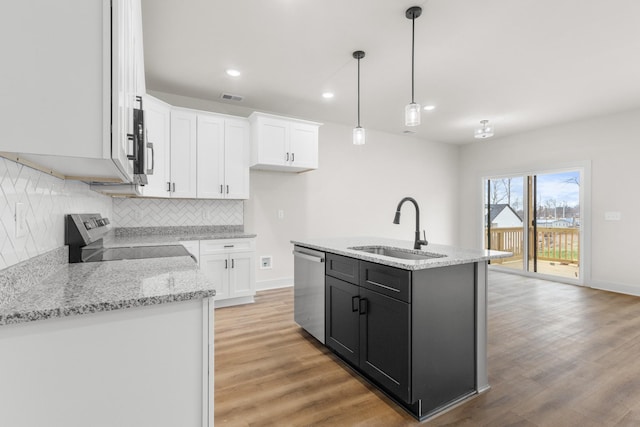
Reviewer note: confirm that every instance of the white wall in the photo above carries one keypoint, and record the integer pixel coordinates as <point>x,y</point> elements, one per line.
<point>610,145</point>
<point>354,192</point>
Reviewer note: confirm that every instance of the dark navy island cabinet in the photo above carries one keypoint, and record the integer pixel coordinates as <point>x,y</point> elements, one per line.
<point>410,332</point>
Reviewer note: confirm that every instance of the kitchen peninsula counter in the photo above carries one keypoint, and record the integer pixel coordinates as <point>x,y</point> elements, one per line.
<point>126,343</point>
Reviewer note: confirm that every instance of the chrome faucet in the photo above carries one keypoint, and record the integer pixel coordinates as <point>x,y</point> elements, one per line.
<point>396,220</point>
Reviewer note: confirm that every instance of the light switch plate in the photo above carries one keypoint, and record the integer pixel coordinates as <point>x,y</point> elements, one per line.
<point>21,220</point>
<point>612,216</point>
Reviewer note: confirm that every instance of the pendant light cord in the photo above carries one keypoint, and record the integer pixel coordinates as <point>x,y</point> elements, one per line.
<point>358,92</point>
<point>413,43</point>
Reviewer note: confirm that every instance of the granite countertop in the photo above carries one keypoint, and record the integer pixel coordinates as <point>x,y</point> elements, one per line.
<point>452,255</point>
<point>76,289</point>
<point>145,236</point>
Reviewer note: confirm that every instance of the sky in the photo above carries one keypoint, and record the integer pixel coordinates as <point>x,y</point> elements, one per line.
<point>560,187</point>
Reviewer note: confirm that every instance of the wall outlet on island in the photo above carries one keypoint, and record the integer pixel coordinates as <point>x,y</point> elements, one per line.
<point>265,262</point>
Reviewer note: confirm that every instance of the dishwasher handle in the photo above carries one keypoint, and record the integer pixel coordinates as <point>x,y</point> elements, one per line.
<point>308,257</point>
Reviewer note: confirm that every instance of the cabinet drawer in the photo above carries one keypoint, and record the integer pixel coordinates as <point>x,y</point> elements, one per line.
<point>343,268</point>
<point>386,280</point>
<point>226,246</point>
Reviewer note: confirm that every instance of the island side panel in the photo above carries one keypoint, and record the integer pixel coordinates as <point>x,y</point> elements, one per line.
<point>482,379</point>
<point>129,368</point>
<point>444,336</point>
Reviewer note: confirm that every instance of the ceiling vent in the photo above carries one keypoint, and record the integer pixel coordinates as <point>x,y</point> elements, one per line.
<point>230,97</point>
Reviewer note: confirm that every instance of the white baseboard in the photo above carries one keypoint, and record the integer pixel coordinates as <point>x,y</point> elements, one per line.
<point>284,282</point>
<point>233,301</point>
<point>621,288</point>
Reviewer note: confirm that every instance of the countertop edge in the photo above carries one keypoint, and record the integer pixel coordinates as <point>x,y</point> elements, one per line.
<point>453,255</point>
<point>82,309</point>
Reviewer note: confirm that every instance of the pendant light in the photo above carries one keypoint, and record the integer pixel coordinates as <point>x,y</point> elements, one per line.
<point>358,131</point>
<point>484,131</point>
<point>412,110</point>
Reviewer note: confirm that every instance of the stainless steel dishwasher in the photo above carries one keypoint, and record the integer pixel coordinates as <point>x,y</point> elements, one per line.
<point>308,289</point>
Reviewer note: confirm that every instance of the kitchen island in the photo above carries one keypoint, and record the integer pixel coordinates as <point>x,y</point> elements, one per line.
<point>126,343</point>
<point>412,322</point>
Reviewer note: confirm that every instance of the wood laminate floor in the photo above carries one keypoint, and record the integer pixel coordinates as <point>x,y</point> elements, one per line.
<point>559,355</point>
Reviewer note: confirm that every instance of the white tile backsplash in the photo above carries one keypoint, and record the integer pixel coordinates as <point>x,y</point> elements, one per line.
<point>47,199</point>
<point>176,212</point>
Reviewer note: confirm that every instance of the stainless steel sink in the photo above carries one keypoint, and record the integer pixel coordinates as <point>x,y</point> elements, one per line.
<point>397,252</point>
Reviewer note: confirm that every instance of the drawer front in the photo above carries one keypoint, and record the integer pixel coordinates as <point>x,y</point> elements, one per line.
<point>226,246</point>
<point>386,280</point>
<point>343,268</point>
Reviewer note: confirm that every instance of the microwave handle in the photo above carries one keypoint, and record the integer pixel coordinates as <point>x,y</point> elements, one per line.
<point>153,158</point>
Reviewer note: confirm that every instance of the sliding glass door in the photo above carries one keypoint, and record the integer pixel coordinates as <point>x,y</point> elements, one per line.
<point>537,218</point>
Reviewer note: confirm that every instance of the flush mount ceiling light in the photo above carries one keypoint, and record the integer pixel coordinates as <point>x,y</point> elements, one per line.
<point>484,131</point>
<point>412,110</point>
<point>233,73</point>
<point>327,95</point>
<point>358,131</point>
<point>429,107</point>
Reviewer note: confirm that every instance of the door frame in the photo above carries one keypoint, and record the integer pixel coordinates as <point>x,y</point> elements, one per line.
<point>584,167</point>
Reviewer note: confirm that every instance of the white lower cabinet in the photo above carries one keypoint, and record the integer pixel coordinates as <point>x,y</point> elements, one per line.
<point>231,264</point>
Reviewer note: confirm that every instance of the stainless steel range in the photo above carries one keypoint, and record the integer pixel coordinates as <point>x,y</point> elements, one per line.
<point>84,234</point>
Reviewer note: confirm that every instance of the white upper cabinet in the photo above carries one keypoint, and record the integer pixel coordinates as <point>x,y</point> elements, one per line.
<point>183,154</point>
<point>223,157</point>
<point>283,144</point>
<point>70,78</point>
<point>157,118</point>
<point>236,158</point>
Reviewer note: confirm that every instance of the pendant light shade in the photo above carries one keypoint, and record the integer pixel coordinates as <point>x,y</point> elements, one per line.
<point>358,135</point>
<point>358,131</point>
<point>412,110</point>
<point>484,131</point>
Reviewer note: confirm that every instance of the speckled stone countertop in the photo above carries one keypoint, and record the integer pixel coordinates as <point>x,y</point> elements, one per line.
<point>452,255</point>
<point>143,236</point>
<point>75,289</point>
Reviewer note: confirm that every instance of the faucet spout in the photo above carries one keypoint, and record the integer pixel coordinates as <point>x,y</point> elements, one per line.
<point>396,220</point>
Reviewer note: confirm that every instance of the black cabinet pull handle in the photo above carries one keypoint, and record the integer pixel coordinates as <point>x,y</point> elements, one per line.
<point>221,187</point>
<point>226,265</point>
<point>168,186</point>
<point>233,264</point>
<point>363,306</point>
<point>293,157</point>
<point>227,189</point>
<point>174,187</point>
<point>354,303</point>
<point>287,156</point>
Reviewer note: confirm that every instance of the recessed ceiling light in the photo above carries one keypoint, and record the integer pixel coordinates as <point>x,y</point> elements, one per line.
<point>233,73</point>
<point>327,95</point>
<point>429,107</point>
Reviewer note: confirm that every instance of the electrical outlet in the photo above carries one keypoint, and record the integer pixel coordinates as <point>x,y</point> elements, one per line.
<point>21,220</point>
<point>280,213</point>
<point>265,262</point>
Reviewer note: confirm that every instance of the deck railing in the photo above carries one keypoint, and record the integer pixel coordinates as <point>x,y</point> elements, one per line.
<point>552,244</point>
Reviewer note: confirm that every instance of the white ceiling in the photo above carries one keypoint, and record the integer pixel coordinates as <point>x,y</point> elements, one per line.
<point>522,64</point>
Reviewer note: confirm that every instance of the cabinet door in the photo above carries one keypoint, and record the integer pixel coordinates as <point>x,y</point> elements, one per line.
<point>216,267</point>
<point>342,318</point>
<point>241,275</point>
<point>124,85</point>
<point>183,154</point>
<point>210,157</point>
<point>304,145</point>
<point>273,137</point>
<point>157,116</point>
<point>236,159</point>
<point>385,327</point>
